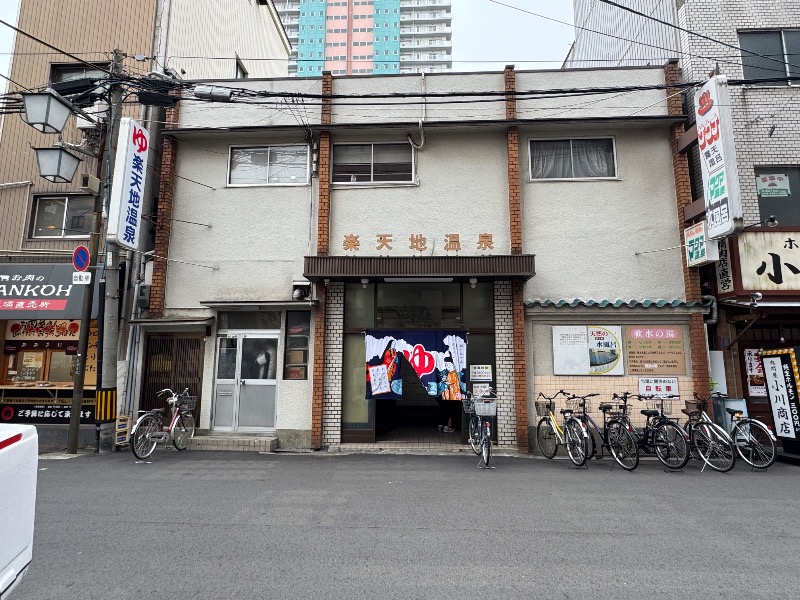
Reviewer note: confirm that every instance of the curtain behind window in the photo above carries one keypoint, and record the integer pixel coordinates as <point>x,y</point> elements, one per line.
<point>550,159</point>
<point>593,158</point>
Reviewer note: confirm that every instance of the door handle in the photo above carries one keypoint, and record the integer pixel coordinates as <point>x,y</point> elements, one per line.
<point>242,382</point>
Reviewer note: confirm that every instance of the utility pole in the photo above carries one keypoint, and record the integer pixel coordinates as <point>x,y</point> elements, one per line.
<point>100,204</point>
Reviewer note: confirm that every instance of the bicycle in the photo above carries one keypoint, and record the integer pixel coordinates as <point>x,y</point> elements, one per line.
<point>660,435</point>
<point>709,441</point>
<point>755,442</point>
<point>615,435</point>
<point>480,426</point>
<point>149,428</point>
<point>550,434</point>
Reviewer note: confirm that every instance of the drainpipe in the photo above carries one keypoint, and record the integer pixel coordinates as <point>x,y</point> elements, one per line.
<point>712,318</point>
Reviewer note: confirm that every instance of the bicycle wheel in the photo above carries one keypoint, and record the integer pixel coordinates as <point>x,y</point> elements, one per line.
<point>546,437</point>
<point>754,443</point>
<point>142,445</point>
<point>693,451</point>
<point>486,446</point>
<point>475,434</point>
<point>715,448</point>
<point>591,442</point>
<point>623,445</point>
<point>182,430</point>
<point>670,445</point>
<point>575,442</point>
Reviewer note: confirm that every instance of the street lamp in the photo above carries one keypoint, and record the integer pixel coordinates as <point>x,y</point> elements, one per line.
<point>56,164</point>
<point>46,111</point>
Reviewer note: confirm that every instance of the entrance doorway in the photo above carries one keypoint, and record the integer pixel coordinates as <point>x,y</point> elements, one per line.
<point>414,307</point>
<point>245,383</point>
<point>173,361</point>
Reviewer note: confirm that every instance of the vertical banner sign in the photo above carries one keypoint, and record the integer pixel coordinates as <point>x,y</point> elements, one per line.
<point>439,358</point>
<point>755,373</point>
<point>781,374</point>
<point>718,157</point>
<point>127,190</point>
<point>724,272</point>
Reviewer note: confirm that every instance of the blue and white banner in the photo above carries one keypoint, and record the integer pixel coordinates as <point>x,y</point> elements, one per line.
<point>127,188</point>
<point>439,358</point>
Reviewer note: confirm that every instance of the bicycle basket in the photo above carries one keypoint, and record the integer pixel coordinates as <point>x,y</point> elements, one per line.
<point>693,404</point>
<point>656,404</point>
<point>486,409</point>
<point>576,404</point>
<point>469,404</point>
<point>542,406</point>
<point>188,402</point>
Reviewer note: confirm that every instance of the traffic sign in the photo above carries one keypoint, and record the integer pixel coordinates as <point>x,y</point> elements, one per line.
<point>80,258</point>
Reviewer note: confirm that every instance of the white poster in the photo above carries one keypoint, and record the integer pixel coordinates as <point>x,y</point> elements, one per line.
<point>480,372</point>
<point>379,379</point>
<point>660,387</point>
<point>593,350</point>
<point>570,350</point>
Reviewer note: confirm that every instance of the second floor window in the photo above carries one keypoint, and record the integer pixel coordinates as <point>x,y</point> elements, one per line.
<point>774,54</point>
<point>372,163</point>
<point>588,158</point>
<point>263,165</point>
<point>61,216</point>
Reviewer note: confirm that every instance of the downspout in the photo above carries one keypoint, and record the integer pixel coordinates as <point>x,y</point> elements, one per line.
<point>712,318</point>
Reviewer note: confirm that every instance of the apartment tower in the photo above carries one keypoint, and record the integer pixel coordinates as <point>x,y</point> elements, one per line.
<point>360,37</point>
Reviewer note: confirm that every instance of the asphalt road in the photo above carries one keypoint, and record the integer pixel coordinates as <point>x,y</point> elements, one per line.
<point>231,525</point>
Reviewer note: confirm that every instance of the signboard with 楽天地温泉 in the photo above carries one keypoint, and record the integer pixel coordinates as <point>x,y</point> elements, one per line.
<point>127,188</point>
<point>718,157</point>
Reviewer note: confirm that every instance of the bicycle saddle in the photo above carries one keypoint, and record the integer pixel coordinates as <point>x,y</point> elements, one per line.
<point>159,411</point>
<point>605,406</point>
<point>650,413</point>
<point>692,412</point>
<point>566,411</point>
<point>734,411</point>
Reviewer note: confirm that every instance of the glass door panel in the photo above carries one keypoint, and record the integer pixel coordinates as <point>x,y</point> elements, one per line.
<point>225,388</point>
<point>256,406</point>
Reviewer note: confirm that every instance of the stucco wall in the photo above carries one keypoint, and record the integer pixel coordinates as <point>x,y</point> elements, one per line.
<point>585,234</point>
<point>462,188</point>
<point>258,237</point>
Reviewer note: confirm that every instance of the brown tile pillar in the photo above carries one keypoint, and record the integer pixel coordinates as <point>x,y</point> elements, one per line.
<point>691,275</point>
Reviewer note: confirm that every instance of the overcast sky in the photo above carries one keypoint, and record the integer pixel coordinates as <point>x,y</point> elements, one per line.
<point>487,35</point>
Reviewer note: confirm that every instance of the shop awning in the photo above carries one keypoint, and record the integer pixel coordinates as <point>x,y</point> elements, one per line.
<point>169,324</point>
<point>420,268</point>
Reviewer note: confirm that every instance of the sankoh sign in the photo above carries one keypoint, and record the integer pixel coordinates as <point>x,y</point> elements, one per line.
<point>127,190</point>
<point>718,158</point>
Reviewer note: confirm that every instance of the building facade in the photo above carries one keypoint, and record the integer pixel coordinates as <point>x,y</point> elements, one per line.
<point>755,47</point>
<point>353,241</point>
<point>354,37</point>
<point>42,223</point>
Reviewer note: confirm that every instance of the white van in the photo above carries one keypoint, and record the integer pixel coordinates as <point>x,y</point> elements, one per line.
<point>19,463</point>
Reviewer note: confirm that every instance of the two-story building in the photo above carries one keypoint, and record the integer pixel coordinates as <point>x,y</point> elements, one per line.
<point>348,253</point>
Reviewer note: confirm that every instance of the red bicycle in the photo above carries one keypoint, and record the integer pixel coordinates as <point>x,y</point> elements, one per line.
<point>149,428</point>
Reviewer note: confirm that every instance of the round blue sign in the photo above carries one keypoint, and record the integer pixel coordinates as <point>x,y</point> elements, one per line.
<point>80,258</point>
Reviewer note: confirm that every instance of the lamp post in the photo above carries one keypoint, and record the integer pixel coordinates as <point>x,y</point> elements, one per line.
<point>48,112</point>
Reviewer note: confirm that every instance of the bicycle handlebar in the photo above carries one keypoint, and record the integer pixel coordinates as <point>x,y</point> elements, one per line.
<point>173,397</point>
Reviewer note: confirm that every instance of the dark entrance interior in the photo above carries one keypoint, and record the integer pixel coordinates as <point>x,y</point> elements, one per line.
<point>417,415</point>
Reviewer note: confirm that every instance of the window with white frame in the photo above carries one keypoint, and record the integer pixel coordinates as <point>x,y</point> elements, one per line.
<point>61,216</point>
<point>770,54</point>
<point>574,158</point>
<point>372,163</point>
<point>265,165</point>
<point>72,71</point>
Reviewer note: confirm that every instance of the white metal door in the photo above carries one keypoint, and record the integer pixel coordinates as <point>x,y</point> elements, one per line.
<point>244,396</point>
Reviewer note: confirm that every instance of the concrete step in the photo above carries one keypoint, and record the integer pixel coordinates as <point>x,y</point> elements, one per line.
<point>234,443</point>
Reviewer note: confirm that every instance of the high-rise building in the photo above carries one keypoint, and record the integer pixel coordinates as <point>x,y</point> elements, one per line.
<point>359,37</point>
